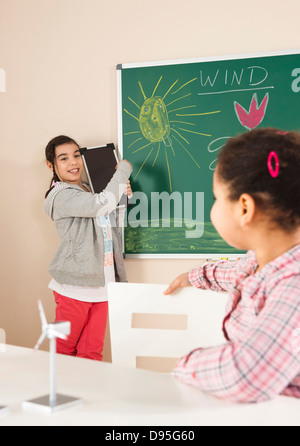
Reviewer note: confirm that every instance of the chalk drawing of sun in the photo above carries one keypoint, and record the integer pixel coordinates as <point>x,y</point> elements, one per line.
<point>157,119</point>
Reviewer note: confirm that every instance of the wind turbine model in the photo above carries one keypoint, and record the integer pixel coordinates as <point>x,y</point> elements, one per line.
<point>53,401</point>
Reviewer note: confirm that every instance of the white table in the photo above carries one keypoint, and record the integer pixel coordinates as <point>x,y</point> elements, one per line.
<point>117,396</point>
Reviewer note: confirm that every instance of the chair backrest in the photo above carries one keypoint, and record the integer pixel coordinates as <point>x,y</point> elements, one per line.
<point>151,331</point>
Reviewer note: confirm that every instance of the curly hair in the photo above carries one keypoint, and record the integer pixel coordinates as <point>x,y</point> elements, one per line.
<point>243,166</point>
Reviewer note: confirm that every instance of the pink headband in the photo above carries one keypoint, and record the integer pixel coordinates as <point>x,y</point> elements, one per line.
<point>273,172</point>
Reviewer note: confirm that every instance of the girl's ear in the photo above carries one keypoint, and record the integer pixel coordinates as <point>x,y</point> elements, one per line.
<point>247,209</point>
<point>50,166</point>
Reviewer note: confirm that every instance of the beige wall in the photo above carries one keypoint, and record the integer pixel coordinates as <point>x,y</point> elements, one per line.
<point>60,57</point>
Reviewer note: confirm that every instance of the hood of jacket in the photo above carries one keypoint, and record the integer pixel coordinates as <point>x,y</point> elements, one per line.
<point>48,204</point>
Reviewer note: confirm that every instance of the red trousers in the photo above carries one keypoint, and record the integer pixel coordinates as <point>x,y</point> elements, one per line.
<point>88,325</point>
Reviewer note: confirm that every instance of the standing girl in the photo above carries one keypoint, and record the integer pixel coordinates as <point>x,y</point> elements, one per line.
<point>257,209</point>
<point>90,252</point>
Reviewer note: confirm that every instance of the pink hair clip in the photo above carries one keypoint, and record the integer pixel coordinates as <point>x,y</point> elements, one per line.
<point>54,183</point>
<point>282,133</point>
<point>273,172</point>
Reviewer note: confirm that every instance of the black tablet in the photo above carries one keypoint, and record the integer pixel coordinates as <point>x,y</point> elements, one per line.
<point>100,165</point>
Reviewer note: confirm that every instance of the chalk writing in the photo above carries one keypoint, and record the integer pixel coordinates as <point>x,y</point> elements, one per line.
<point>245,79</point>
<point>214,146</point>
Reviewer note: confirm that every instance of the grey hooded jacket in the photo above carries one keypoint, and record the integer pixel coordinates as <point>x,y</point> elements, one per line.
<point>79,259</point>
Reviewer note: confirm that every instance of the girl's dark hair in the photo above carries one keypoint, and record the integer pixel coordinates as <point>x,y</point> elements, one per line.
<point>50,155</point>
<point>243,166</point>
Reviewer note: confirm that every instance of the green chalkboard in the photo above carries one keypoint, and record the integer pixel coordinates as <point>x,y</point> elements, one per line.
<point>173,118</point>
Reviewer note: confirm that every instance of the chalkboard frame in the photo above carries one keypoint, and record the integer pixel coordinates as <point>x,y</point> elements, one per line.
<point>146,64</point>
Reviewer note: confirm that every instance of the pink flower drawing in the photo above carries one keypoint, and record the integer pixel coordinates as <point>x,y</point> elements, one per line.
<point>256,113</point>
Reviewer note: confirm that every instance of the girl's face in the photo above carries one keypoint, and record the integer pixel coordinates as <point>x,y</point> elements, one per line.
<point>225,215</point>
<point>68,163</point>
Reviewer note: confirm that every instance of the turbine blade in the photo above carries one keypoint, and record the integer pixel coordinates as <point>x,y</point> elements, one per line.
<point>42,313</point>
<point>56,334</point>
<point>40,341</point>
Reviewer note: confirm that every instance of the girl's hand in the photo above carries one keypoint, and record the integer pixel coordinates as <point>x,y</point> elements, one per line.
<point>125,162</point>
<point>180,282</point>
<point>128,190</point>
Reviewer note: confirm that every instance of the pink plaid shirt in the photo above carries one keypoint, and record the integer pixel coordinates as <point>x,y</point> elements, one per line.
<point>262,356</point>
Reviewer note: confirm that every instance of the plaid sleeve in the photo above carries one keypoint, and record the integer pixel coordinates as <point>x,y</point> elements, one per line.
<point>263,364</point>
<point>217,276</point>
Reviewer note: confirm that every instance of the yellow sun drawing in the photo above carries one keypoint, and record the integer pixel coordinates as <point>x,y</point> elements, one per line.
<point>157,120</point>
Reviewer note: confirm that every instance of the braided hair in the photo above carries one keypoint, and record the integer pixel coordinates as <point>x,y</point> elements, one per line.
<point>50,156</point>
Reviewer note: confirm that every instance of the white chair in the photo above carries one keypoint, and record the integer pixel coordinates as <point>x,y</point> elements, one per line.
<point>151,331</point>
